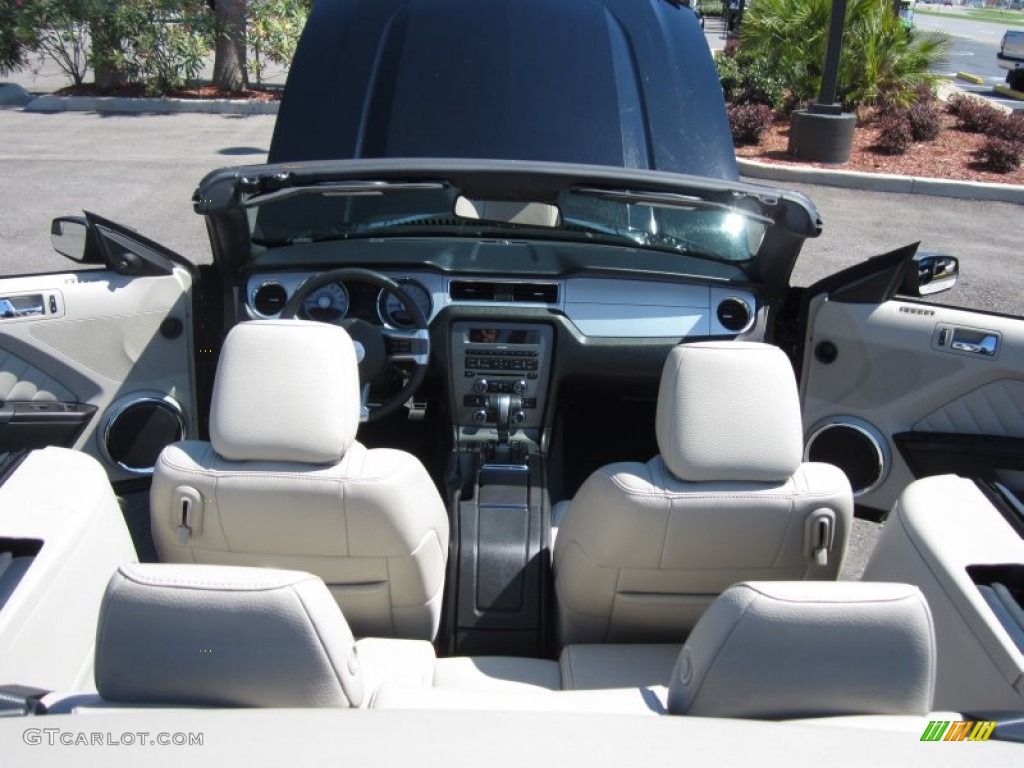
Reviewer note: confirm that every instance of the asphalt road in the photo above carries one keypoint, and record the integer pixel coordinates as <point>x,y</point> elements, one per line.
<point>141,171</point>
<point>974,48</point>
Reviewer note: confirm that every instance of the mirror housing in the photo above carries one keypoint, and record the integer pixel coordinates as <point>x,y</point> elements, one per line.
<point>69,236</point>
<point>930,273</point>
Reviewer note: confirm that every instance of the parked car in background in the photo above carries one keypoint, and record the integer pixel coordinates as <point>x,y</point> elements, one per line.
<point>1011,58</point>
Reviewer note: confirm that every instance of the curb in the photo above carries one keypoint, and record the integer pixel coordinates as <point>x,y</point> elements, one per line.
<point>1009,92</point>
<point>119,105</point>
<point>970,78</point>
<point>13,95</point>
<point>883,182</point>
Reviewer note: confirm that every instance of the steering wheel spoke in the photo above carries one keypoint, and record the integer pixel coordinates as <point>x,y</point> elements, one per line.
<point>407,345</point>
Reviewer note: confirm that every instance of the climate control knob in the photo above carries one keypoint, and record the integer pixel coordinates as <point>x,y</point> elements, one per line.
<point>519,417</point>
<point>480,386</point>
<point>519,387</point>
<point>480,416</point>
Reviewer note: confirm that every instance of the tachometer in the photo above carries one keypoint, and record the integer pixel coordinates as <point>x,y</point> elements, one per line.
<point>394,314</point>
<point>327,304</point>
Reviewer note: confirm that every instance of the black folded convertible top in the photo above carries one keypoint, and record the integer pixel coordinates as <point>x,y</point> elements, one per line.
<point>626,83</point>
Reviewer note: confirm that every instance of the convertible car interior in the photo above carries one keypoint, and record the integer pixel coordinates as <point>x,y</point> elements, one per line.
<point>546,433</point>
<point>440,485</point>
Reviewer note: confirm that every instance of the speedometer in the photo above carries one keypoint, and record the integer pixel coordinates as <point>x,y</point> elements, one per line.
<point>327,304</point>
<point>394,314</point>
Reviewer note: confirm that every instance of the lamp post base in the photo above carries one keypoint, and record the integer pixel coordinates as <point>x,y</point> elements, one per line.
<point>821,135</point>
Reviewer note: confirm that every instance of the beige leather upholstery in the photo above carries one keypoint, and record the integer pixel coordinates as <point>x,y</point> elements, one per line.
<point>498,674</point>
<point>284,483</point>
<point>594,667</point>
<point>211,636</point>
<point>644,548</point>
<point>781,650</point>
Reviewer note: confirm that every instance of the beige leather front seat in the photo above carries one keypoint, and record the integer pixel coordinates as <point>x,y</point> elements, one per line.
<point>284,483</point>
<point>643,549</point>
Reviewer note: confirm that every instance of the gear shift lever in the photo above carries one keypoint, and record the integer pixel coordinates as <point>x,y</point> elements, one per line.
<point>507,405</point>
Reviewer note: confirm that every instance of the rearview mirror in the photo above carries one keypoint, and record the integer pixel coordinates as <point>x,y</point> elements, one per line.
<point>930,273</point>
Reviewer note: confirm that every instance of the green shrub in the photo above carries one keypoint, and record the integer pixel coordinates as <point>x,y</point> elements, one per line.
<point>1000,155</point>
<point>59,30</point>
<point>12,43</point>
<point>894,134</point>
<point>272,32</point>
<point>1008,128</point>
<point>976,116</point>
<point>880,60</point>
<point>924,121</point>
<point>163,43</point>
<point>747,80</point>
<point>749,122</point>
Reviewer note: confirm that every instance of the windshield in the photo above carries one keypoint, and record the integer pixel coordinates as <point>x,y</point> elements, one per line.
<point>638,218</point>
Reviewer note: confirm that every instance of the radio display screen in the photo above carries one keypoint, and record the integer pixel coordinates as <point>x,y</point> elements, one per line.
<point>503,336</point>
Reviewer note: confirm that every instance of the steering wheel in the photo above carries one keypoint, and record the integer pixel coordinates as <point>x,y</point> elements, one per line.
<point>376,348</point>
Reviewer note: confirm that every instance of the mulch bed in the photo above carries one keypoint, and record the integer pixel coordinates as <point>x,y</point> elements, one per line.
<point>200,92</point>
<point>950,156</point>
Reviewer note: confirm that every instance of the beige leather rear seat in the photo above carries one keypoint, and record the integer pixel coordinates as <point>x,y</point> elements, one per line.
<point>212,636</point>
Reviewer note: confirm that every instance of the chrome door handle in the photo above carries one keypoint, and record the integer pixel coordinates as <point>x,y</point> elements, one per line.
<point>7,309</point>
<point>987,346</point>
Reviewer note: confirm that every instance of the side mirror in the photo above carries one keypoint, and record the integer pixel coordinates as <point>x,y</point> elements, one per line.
<point>930,273</point>
<point>68,237</point>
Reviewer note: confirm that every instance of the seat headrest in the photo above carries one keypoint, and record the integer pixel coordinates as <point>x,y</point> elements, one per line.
<point>285,390</point>
<point>197,635</point>
<point>729,410</point>
<point>783,650</point>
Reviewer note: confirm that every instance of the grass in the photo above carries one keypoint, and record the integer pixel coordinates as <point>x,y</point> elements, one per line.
<point>1009,18</point>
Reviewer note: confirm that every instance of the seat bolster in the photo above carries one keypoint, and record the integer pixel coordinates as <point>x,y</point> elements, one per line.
<point>784,650</point>
<point>391,504</point>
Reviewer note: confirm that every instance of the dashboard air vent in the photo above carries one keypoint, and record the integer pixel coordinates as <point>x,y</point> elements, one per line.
<point>540,293</point>
<point>734,314</point>
<point>269,299</point>
<point>505,292</point>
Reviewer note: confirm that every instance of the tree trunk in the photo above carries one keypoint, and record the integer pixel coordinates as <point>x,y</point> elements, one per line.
<point>105,44</point>
<point>229,70</point>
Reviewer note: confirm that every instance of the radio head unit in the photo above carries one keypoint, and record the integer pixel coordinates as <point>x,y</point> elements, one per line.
<point>500,374</point>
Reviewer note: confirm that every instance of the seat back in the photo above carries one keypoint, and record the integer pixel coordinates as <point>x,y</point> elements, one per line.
<point>783,650</point>
<point>283,483</point>
<point>643,549</point>
<point>229,637</point>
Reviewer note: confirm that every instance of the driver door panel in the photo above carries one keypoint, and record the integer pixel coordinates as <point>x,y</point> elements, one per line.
<point>939,389</point>
<point>100,362</point>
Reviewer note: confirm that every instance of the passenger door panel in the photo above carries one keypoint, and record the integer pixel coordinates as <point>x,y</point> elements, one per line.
<point>926,382</point>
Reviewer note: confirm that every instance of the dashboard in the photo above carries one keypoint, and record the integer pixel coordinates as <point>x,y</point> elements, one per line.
<point>495,338</point>
<point>598,307</point>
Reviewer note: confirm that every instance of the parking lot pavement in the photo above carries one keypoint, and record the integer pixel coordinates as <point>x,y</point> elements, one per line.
<point>139,170</point>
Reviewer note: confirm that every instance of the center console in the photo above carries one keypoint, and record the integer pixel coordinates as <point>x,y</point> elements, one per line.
<point>500,375</point>
<point>500,378</point>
